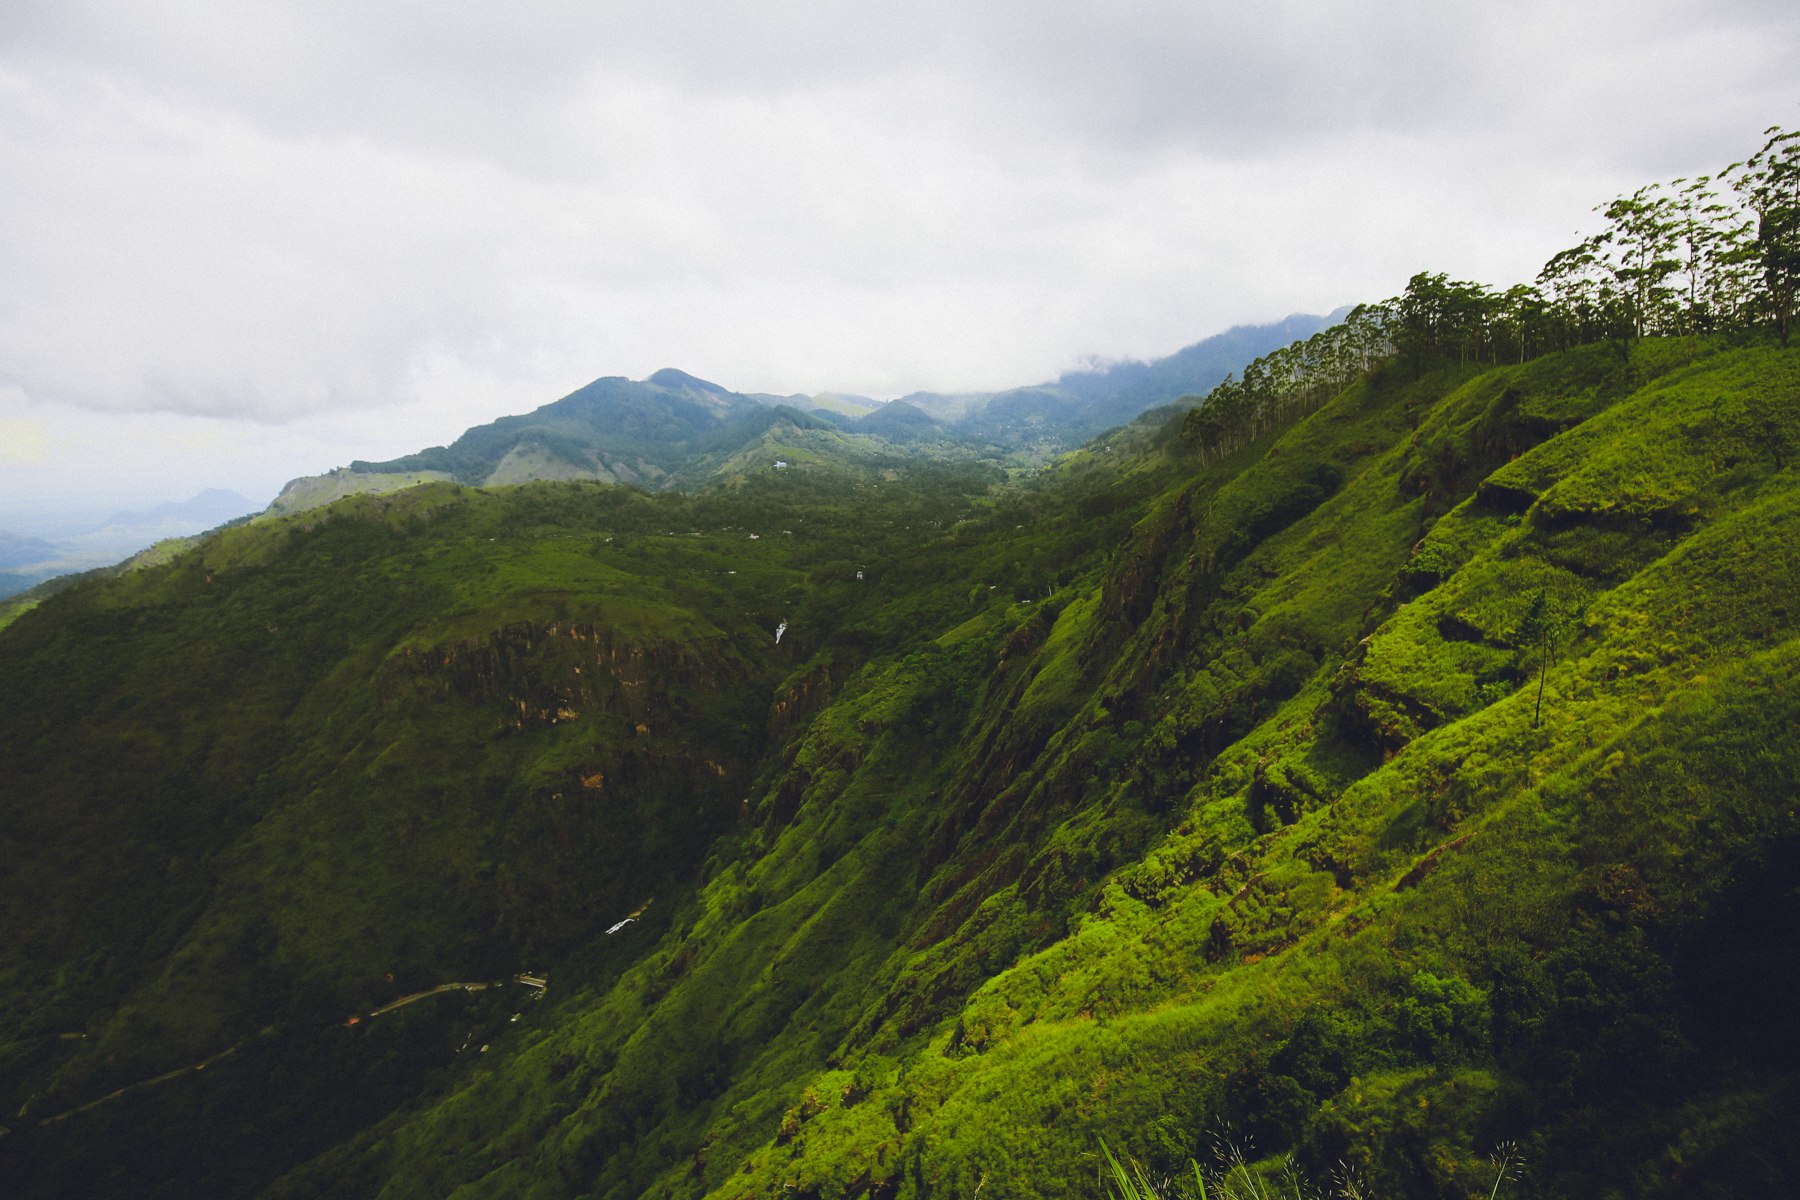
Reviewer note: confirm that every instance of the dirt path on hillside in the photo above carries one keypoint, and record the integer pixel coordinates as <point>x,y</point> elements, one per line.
<point>440,989</point>
<point>177,1073</point>
<point>536,982</point>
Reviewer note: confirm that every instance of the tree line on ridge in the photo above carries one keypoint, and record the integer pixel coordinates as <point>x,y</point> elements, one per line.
<point>1708,255</point>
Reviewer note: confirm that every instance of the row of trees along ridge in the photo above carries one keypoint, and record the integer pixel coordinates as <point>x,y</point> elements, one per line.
<point>1713,254</point>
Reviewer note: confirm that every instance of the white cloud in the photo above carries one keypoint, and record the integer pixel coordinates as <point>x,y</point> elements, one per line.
<point>390,220</point>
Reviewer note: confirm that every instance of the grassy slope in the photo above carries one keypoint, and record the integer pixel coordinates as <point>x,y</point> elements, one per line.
<point>1239,817</point>
<point>1255,826</point>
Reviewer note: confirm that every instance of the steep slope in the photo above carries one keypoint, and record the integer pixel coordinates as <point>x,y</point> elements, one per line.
<point>1416,777</point>
<point>1252,828</point>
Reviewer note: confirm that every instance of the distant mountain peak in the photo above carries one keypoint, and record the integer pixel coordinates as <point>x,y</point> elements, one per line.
<point>669,377</point>
<point>211,506</point>
<point>19,550</point>
<point>898,412</point>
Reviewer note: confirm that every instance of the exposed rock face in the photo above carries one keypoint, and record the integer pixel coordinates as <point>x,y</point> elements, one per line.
<point>548,673</point>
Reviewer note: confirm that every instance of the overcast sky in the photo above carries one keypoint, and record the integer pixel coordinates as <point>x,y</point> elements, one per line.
<point>245,241</point>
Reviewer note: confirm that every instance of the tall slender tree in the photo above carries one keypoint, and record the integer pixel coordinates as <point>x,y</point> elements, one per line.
<point>1769,183</point>
<point>1712,239</point>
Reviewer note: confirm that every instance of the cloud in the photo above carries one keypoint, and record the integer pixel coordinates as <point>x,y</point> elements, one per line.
<point>288,212</point>
<point>23,441</point>
<point>494,83</point>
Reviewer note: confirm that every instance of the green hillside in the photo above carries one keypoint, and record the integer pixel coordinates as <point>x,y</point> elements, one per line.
<point>1261,842</point>
<point>1129,804</point>
<point>1387,771</point>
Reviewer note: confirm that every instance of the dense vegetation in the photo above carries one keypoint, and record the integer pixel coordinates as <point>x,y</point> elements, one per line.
<point>1386,780</point>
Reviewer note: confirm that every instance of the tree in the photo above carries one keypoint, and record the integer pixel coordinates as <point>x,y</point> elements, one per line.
<point>1713,243</point>
<point>1769,182</point>
<point>1437,315</point>
<point>1523,313</point>
<point>1544,627</point>
<point>1639,250</point>
<point>1368,335</point>
<point>1581,303</point>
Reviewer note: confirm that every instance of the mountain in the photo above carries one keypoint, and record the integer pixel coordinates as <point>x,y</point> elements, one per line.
<point>1081,404</point>
<point>614,429</point>
<point>18,550</point>
<point>902,422</point>
<point>668,430</point>
<point>21,559</point>
<point>675,430</point>
<point>1131,387</point>
<point>1398,778</point>
<point>842,403</point>
<point>208,508</point>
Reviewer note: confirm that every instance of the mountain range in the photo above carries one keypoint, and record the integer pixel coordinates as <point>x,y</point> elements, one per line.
<point>674,430</point>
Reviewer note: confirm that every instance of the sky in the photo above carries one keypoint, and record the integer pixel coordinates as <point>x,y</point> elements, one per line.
<point>241,242</point>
